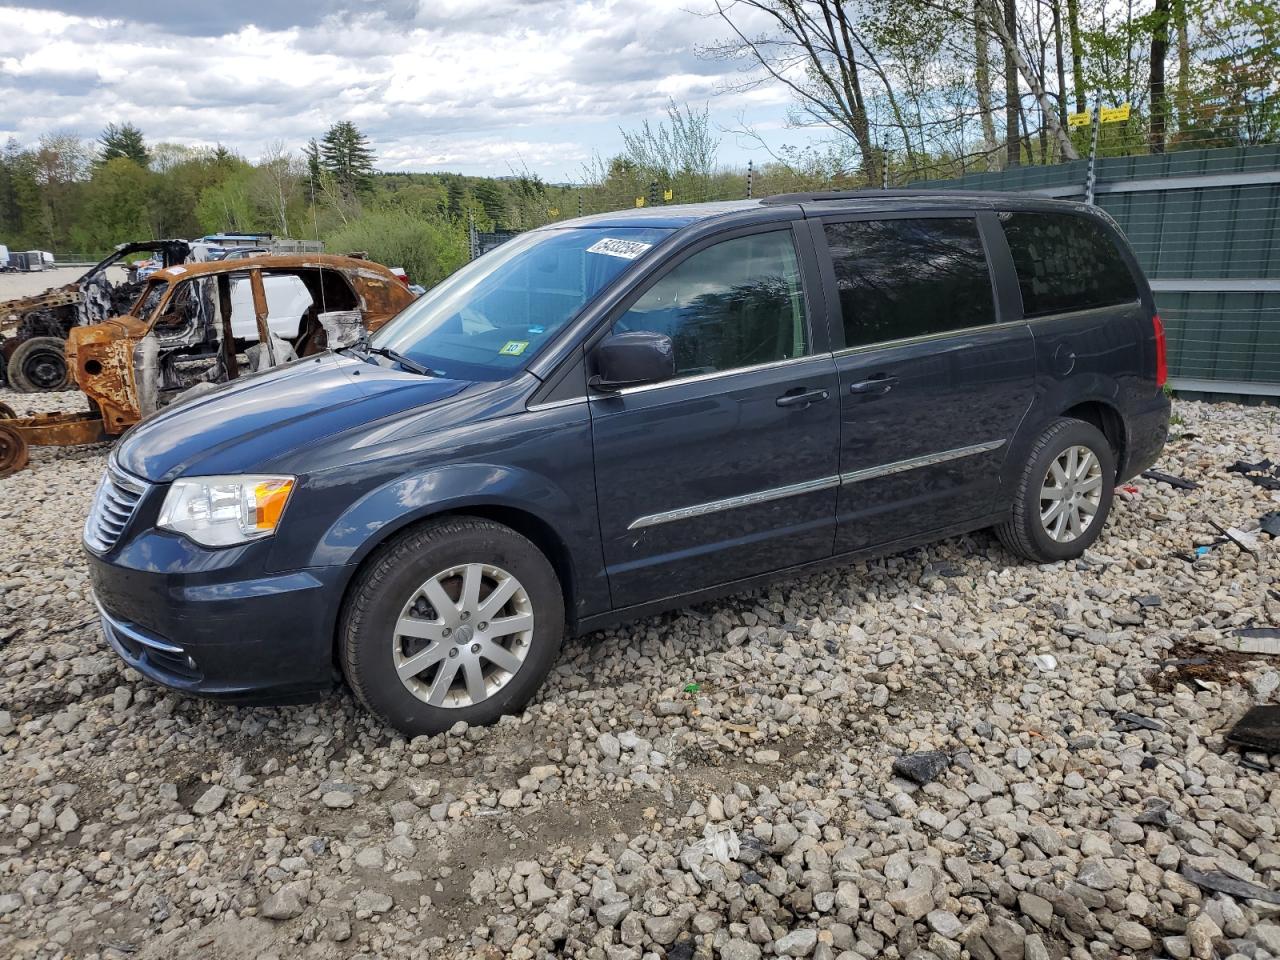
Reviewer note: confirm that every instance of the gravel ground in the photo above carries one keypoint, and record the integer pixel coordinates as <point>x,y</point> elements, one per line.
<point>732,781</point>
<point>27,284</point>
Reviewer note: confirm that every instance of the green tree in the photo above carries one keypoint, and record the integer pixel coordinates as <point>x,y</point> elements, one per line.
<point>345,153</point>
<point>490,195</point>
<point>122,140</point>
<point>228,204</point>
<point>115,206</point>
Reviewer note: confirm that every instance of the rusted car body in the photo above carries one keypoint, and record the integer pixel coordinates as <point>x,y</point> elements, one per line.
<point>181,336</point>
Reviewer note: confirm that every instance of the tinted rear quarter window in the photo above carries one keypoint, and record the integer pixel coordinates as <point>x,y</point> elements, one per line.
<point>909,277</point>
<point>1066,262</point>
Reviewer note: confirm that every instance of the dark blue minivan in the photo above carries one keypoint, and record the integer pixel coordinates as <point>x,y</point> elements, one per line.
<point>621,414</point>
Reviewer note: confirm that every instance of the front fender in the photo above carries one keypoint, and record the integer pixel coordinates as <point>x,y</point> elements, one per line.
<point>442,489</point>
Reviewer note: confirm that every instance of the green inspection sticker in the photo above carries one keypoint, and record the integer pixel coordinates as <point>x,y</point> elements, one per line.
<point>513,348</point>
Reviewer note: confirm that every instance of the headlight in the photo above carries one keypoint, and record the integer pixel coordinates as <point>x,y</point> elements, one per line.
<point>221,511</point>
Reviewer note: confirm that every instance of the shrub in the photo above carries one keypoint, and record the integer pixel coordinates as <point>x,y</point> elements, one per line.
<point>428,247</point>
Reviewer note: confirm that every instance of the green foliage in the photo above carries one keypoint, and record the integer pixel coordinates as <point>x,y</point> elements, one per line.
<point>345,154</point>
<point>122,140</point>
<point>115,206</point>
<point>428,247</point>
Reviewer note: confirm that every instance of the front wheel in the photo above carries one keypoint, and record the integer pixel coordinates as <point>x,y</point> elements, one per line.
<point>1063,495</point>
<point>457,619</point>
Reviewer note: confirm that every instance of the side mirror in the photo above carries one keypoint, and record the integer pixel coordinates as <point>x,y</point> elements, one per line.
<point>633,359</point>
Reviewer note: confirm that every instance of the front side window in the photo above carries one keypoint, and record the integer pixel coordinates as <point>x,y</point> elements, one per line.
<point>494,315</point>
<point>909,277</point>
<point>1065,262</point>
<point>735,304</point>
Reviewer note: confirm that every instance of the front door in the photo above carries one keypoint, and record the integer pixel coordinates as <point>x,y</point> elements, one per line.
<point>933,384</point>
<point>730,469</point>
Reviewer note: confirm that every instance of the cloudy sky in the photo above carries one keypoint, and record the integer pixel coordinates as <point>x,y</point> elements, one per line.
<point>479,86</point>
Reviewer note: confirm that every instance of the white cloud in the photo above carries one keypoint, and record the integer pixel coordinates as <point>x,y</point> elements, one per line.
<point>481,85</point>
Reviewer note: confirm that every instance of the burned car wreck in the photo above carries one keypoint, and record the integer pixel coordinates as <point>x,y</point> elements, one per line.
<point>196,325</point>
<point>32,329</point>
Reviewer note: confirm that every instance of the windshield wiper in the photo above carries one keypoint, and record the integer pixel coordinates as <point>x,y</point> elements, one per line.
<point>411,365</point>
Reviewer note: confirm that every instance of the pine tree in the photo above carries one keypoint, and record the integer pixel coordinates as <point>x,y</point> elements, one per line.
<point>314,170</point>
<point>122,140</point>
<point>346,154</point>
<point>223,158</point>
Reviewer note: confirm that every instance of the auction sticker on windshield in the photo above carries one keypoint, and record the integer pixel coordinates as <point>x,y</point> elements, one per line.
<point>626,249</point>
<point>513,348</point>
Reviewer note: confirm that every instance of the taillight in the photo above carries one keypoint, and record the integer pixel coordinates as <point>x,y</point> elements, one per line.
<point>1162,352</point>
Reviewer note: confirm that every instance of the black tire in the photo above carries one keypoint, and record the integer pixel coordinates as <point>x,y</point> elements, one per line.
<point>1024,532</point>
<point>367,638</point>
<point>39,365</point>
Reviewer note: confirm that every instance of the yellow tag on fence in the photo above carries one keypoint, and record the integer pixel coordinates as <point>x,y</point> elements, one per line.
<point>1078,119</point>
<point>1114,114</point>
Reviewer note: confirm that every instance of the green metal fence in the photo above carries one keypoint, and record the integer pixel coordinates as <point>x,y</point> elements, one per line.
<point>1206,226</point>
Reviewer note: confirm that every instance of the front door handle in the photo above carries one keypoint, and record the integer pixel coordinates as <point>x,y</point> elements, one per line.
<point>877,384</point>
<point>802,398</point>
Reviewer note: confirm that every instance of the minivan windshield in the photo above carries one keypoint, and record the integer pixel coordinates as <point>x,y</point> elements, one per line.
<point>492,316</point>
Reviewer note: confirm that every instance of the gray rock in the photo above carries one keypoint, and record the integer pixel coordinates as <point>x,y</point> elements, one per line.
<point>1132,935</point>
<point>944,923</point>
<point>797,943</point>
<point>611,914</point>
<point>1093,873</point>
<point>372,901</point>
<point>67,819</point>
<point>1005,938</point>
<point>287,902</point>
<point>737,949</point>
<point>209,801</point>
<point>663,930</point>
<point>912,902</point>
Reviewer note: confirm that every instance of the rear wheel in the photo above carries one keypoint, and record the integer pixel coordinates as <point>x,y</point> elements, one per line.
<point>38,365</point>
<point>1062,498</point>
<point>459,619</point>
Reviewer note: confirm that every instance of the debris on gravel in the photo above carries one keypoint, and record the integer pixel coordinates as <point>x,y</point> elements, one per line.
<point>936,755</point>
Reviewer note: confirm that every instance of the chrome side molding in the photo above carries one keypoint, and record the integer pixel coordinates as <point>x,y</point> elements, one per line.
<point>928,460</point>
<point>730,503</point>
<point>811,486</point>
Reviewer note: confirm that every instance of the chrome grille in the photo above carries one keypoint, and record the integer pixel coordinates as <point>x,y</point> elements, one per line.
<point>113,506</point>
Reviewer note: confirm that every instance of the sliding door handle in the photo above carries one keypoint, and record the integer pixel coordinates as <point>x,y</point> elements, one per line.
<point>882,384</point>
<point>802,398</point>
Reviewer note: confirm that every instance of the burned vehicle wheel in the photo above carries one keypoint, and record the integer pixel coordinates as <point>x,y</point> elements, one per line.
<point>38,365</point>
<point>459,619</point>
<point>13,451</point>
<point>7,412</point>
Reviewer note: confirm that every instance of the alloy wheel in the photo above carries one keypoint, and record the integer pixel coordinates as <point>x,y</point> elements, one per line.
<point>463,635</point>
<point>1071,493</point>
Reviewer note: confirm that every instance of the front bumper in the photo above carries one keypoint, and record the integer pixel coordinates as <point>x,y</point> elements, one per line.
<point>265,638</point>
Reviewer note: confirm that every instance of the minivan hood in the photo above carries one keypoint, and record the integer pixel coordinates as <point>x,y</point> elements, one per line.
<point>247,424</point>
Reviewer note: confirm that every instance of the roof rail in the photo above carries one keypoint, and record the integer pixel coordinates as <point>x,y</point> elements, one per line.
<point>872,194</point>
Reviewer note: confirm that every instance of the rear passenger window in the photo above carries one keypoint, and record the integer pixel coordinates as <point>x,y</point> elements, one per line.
<point>735,304</point>
<point>909,277</point>
<point>1065,262</point>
